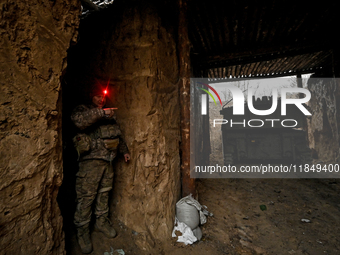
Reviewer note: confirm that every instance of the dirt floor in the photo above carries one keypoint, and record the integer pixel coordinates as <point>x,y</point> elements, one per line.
<point>239,226</point>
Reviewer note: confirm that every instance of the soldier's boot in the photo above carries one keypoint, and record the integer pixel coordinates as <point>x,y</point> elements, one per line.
<point>84,239</point>
<point>103,224</point>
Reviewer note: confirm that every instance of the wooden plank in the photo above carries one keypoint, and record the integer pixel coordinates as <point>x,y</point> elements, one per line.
<point>188,184</point>
<point>255,55</point>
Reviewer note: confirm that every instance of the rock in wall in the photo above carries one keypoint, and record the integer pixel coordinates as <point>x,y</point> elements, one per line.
<point>34,38</point>
<point>323,131</point>
<point>133,48</point>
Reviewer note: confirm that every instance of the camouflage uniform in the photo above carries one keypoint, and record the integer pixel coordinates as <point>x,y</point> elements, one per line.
<point>95,175</point>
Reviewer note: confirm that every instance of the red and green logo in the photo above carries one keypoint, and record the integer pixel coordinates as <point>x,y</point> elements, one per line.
<point>207,91</point>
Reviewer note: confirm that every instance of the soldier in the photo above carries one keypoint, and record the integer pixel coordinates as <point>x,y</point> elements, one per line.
<point>97,144</point>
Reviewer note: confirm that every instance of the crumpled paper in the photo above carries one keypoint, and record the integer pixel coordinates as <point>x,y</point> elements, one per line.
<point>187,236</point>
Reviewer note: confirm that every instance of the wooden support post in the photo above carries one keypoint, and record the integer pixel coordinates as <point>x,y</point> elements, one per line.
<point>299,83</point>
<point>299,80</point>
<point>188,184</point>
<point>336,74</point>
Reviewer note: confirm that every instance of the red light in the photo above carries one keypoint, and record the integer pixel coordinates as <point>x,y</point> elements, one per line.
<point>105,92</point>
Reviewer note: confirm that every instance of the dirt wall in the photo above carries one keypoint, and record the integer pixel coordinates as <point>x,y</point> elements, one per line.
<point>323,125</point>
<point>34,38</point>
<point>130,46</point>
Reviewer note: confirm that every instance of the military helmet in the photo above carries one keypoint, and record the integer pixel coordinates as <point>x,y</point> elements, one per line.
<point>97,90</point>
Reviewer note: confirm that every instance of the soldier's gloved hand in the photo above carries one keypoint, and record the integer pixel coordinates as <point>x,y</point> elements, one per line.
<point>127,157</point>
<point>109,112</point>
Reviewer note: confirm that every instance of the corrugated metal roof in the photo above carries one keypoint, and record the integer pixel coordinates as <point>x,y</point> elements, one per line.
<point>305,63</point>
<point>261,38</point>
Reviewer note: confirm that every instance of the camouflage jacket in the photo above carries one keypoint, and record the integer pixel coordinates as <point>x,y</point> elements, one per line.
<point>91,121</point>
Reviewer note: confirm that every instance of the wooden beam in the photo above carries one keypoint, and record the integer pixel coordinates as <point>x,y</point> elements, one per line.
<point>299,80</point>
<point>188,184</point>
<point>255,55</point>
<point>282,74</point>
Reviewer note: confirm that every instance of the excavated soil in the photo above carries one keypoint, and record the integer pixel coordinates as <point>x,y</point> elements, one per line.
<point>239,226</point>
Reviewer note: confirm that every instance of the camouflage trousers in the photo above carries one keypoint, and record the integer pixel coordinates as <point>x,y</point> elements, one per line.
<point>93,183</point>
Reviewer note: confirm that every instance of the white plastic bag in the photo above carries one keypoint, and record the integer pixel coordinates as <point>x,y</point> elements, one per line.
<point>187,236</point>
<point>198,233</point>
<point>189,214</point>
